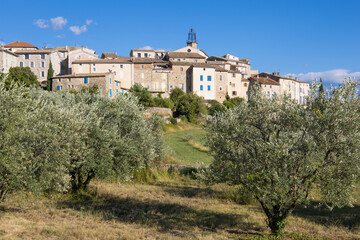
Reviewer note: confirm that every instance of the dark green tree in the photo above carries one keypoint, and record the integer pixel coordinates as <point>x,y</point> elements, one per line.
<point>279,151</point>
<point>21,76</point>
<point>144,96</point>
<point>50,74</point>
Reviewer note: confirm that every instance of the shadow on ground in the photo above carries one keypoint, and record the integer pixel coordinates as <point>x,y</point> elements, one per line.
<point>164,216</point>
<point>348,217</point>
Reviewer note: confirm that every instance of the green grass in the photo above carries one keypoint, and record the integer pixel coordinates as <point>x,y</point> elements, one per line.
<point>172,206</point>
<point>187,146</point>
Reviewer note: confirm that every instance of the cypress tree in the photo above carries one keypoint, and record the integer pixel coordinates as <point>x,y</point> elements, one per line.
<point>50,74</point>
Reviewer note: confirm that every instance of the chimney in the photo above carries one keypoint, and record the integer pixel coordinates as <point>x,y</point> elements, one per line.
<point>278,73</point>
<point>274,73</point>
<point>296,78</point>
<point>116,53</point>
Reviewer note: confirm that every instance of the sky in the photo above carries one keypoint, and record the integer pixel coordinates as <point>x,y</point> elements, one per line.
<point>308,38</point>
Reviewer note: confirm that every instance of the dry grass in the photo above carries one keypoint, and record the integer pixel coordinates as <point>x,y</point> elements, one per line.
<point>170,208</point>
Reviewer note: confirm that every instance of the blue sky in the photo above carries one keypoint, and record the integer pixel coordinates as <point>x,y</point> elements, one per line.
<point>318,38</point>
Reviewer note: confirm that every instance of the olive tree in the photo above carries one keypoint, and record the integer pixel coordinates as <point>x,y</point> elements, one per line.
<point>279,150</point>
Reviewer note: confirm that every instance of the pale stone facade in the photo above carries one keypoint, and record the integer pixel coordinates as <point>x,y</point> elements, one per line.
<point>39,61</point>
<point>8,59</point>
<point>105,82</point>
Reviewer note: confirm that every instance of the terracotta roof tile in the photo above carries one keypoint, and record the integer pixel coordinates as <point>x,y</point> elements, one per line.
<point>185,55</point>
<point>97,60</point>
<point>263,80</point>
<point>108,55</point>
<point>19,44</point>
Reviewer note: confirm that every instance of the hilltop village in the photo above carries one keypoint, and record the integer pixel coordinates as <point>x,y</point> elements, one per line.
<point>188,68</point>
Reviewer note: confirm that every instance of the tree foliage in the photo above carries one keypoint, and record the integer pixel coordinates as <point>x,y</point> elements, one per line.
<point>58,141</point>
<point>21,76</point>
<point>143,95</point>
<point>279,150</point>
<point>50,74</point>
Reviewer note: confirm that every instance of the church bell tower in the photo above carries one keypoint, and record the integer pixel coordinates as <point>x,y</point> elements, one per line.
<point>192,42</point>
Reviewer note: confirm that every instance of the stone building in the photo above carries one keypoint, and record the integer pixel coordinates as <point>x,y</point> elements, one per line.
<point>104,81</point>
<point>8,59</point>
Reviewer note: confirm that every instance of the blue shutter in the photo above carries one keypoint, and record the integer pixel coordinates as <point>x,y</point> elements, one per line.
<point>117,92</point>
<point>208,87</point>
<point>201,77</point>
<point>86,80</point>
<point>122,91</point>
<point>110,92</point>
<point>201,87</point>
<point>58,87</point>
<point>117,84</point>
<point>110,80</point>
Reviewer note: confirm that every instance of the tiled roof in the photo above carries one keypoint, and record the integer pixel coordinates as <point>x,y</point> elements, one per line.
<point>108,55</point>
<point>35,51</point>
<point>201,65</point>
<point>97,60</point>
<point>246,60</point>
<point>7,51</point>
<point>263,80</point>
<point>278,77</point>
<point>185,55</point>
<point>148,60</point>
<point>78,75</point>
<point>19,44</point>
<point>65,49</point>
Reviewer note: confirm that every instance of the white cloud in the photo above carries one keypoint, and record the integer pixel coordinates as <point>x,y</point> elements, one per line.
<point>89,21</point>
<point>77,30</point>
<point>58,23</point>
<point>2,43</point>
<point>60,36</point>
<point>147,48</point>
<point>331,76</point>
<point>42,23</point>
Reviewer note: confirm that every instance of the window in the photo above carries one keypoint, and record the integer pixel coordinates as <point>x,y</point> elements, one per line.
<point>178,59</point>
<point>245,85</point>
<point>145,55</point>
<point>268,94</point>
<point>220,89</point>
<point>139,54</point>
<point>122,91</point>
<point>110,92</point>
<point>209,87</point>
<point>27,56</point>
<point>195,60</point>
<point>209,78</point>
<point>21,64</point>
<point>182,86</point>
<point>141,66</point>
<point>201,77</point>
<point>181,77</point>
<point>234,75</point>
<point>59,88</point>
<point>201,87</point>
<point>94,69</point>
<point>32,64</point>
<point>43,74</point>
<point>43,56</point>
<point>72,86</point>
<point>234,93</point>
<point>220,77</point>
<point>121,66</point>
<point>110,81</point>
<point>189,50</point>
<point>117,84</point>
<point>181,69</point>
<point>86,80</point>
<point>117,92</point>
<point>43,64</point>
<point>171,86</point>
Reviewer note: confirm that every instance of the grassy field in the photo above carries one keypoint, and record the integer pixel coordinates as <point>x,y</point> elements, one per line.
<point>187,146</point>
<point>170,207</point>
